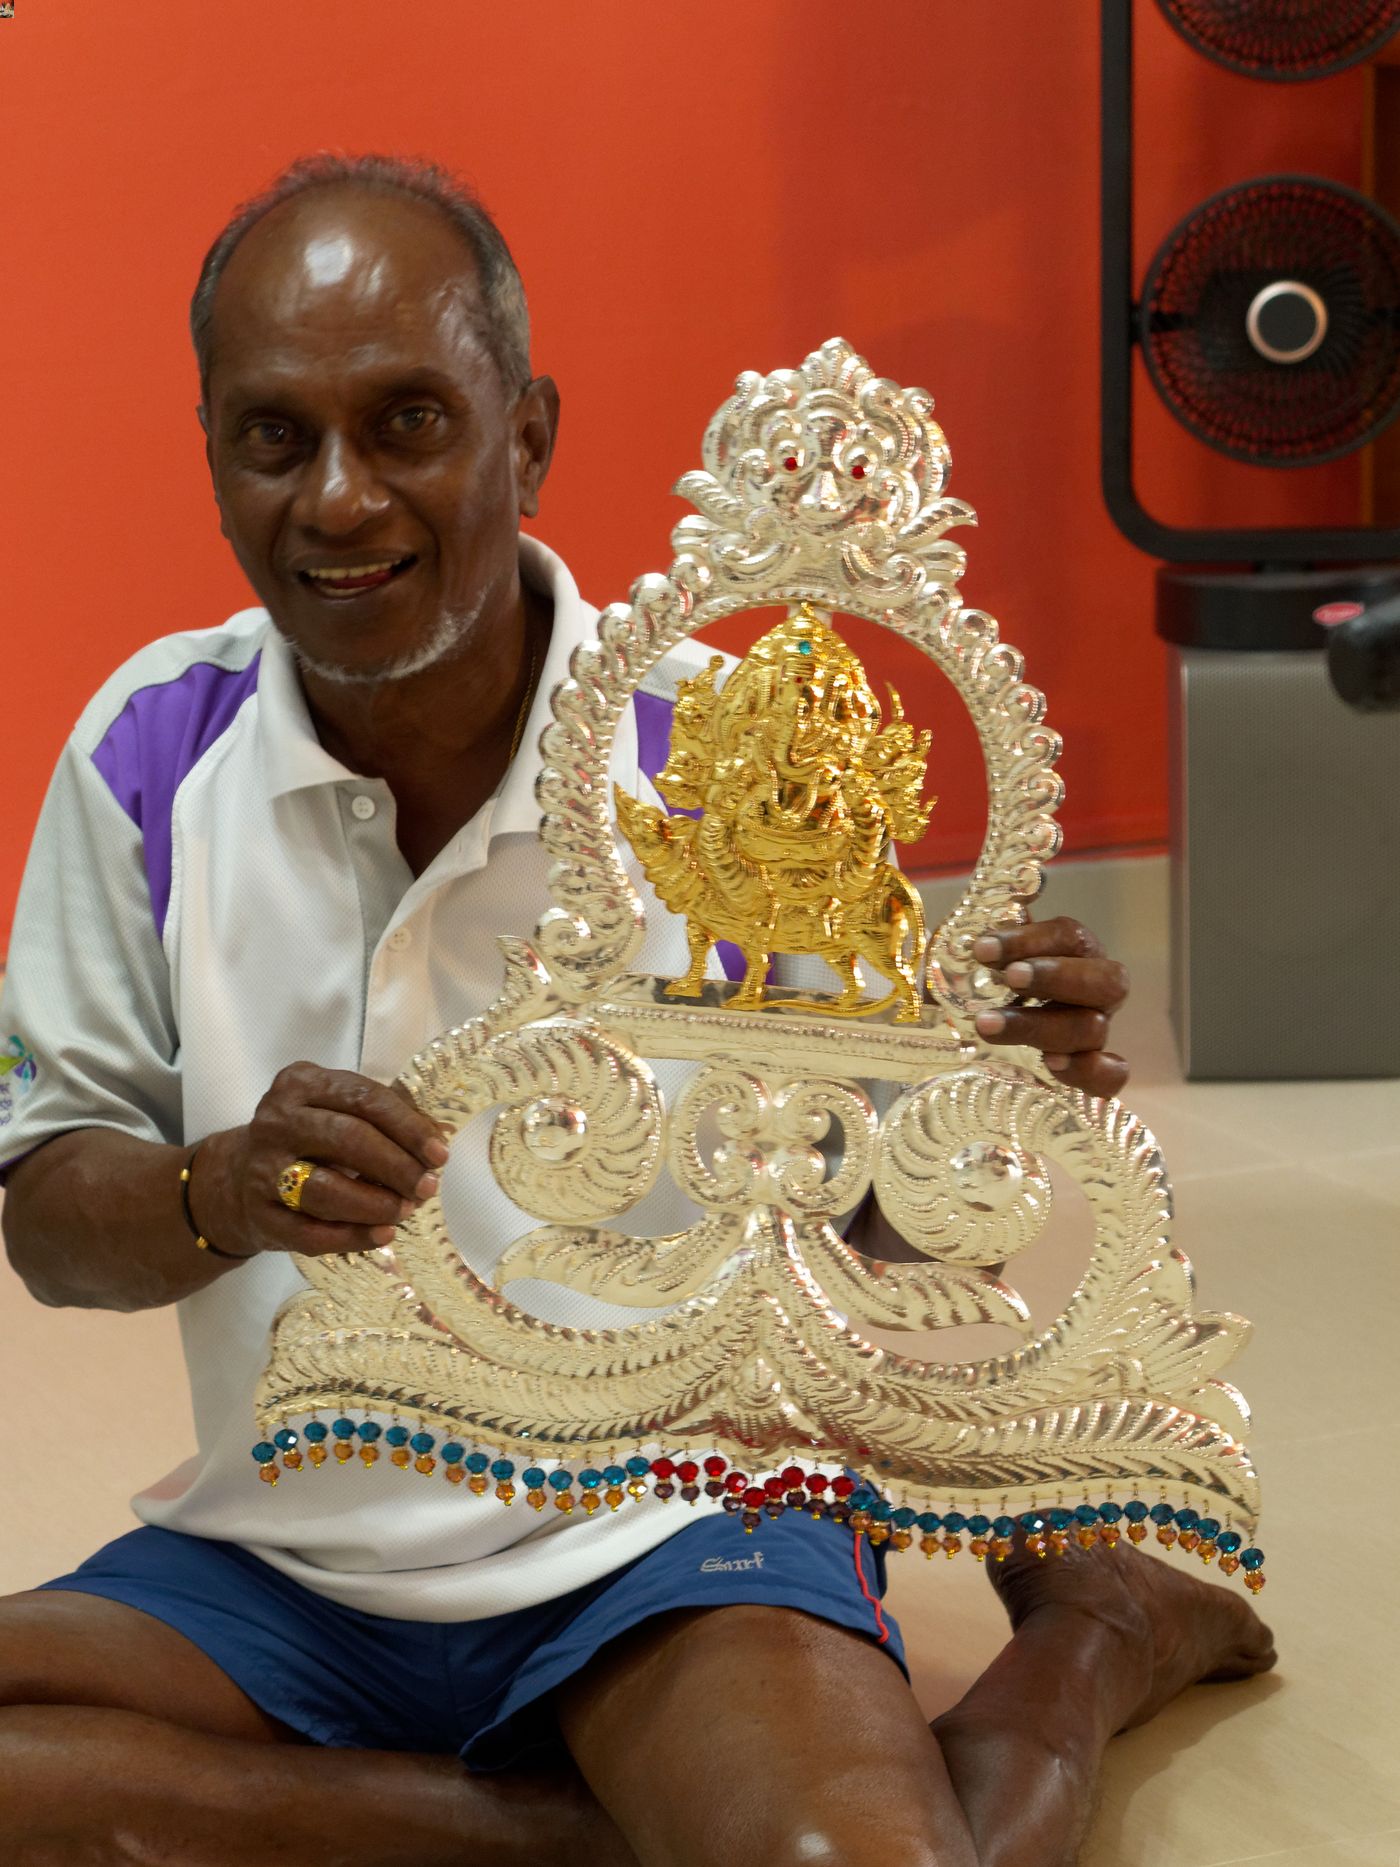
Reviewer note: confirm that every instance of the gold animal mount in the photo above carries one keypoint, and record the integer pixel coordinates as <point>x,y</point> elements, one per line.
<point>803,789</point>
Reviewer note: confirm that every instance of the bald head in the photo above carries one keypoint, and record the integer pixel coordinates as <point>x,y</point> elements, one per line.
<point>494,299</point>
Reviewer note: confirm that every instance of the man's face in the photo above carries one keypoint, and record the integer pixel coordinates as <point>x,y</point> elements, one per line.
<point>371,467</point>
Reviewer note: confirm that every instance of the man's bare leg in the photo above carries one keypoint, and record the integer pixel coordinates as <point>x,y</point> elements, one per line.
<point>122,1743</point>
<point>799,1742</point>
<point>1102,1640</point>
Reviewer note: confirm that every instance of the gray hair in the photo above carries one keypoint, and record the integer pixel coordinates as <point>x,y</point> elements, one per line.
<point>502,320</point>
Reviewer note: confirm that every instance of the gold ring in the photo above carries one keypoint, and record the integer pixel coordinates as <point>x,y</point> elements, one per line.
<point>291,1180</point>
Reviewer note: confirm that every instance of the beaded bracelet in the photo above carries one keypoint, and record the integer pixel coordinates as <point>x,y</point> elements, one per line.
<point>204,1243</point>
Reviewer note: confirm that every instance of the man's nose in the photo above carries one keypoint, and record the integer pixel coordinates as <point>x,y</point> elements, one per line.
<point>339,491</point>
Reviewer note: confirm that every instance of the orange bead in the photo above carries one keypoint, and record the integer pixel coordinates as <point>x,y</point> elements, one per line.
<point>1001,1547</point>
<point>612,1497</point>
<point>929,1545</point>
<point>292,1460</point>
<point>564,1500</point>
<point>1086,1536</point>
<point>1189,1539</point>
<point>1228,1564</point>
<point>535,1498</point>
<point>902,1539</point>
<point>637,1488</point>
<point>951,1546</point>
<point>1254,1580</point>
<point>1206,1552</point>
<point>369,1454</point>
<point>316,1454</point>
<point>269,1474</point>
<point>426,1464</point>
<point>400,1456</point>
<point>505,1493</point>
<point>1137,1532</point>
<point>591,1502</point>
<point>455,1474</point>
<point>344,1450</point>
<point>878,1533</point>
<point>1110,1535</point>
<point>1166,1536</point>
<point>1058,1541</point>
<point>477,1484</point>
<point>1035,1544</point>
<point>859,1520</point>
<point>979,1547</point>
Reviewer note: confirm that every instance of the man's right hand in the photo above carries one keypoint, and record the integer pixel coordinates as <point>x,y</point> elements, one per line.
<point>377,1157</point>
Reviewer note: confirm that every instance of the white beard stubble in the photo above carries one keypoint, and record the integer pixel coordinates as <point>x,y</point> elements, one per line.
<point>448,634</point>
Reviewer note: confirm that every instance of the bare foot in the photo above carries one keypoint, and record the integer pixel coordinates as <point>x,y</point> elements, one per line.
<point>1179,1630</point>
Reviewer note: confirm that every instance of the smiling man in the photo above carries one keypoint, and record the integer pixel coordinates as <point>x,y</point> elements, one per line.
<point>272,865</point>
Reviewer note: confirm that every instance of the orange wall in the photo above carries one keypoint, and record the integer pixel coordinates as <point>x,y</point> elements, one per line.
<point>690,191</point>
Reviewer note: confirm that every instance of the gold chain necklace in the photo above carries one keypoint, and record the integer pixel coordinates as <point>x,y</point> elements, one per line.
<point>526,703</point>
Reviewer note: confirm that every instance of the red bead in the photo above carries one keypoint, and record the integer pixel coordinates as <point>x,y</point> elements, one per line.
<point>714,1465</point>
<point>843,1486</point>
<point>857,472</point>
<point>753,1497</point>
<point>663,1468</point>
<point>774,1487</point>
<point>735,1482</point>
<point>817,1481</point>
<point>687,1471</point>
<point>791,463</point>
<point>792,1477</point>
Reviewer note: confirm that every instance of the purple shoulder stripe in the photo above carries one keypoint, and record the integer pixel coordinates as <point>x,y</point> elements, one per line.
<point>156,740</point>
<point>653,745</point>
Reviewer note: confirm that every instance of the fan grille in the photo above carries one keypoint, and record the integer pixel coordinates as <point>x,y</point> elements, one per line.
<point>1283,39</point>
<point>1195,305</point>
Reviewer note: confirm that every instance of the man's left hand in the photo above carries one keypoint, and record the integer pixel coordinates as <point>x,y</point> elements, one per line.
<point>1062,964</point>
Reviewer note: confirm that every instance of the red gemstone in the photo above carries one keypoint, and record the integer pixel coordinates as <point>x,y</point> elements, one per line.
<point>687,1471</point>
<point>774,1487</point>
<point>843,1487</point>
<point>857,472</point>
<point>817,1481</point>
<point>753,1497</point>
<point>791,463</point>
<point>735,1482</point>
<point>714,1465</point>
<point>663,1468</point>
<point>792,1477</point>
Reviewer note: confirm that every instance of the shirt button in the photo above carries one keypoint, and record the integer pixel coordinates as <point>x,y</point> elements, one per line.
<point>363,807</point>
<point>400,938</point>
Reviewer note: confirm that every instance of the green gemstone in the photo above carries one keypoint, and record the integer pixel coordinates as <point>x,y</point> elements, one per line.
<point>804,648</point>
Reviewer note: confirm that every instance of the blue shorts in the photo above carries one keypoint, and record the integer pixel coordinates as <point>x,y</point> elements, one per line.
<point>482,1689</point>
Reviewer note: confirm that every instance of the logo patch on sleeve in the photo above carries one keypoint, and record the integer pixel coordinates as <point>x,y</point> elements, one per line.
<point>17,1072</point>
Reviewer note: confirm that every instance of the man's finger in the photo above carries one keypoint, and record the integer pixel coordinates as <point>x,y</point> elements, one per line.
<point>1059,1029</point>
<point>1061,937</point>
<point>1096,1072</point>
<point>1102,983</point>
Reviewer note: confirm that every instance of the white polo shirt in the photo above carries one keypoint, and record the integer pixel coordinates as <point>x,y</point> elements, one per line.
<point>211,896</point>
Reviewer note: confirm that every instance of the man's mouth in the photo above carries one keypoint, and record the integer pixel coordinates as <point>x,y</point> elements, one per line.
<point>346,580</point>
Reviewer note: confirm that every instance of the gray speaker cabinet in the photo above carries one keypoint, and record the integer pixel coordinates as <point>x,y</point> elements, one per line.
<point>1285,871</point>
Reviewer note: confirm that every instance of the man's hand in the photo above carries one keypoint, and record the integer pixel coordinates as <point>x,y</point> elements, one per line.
<point>377,1157</point>
<point>1061,963</point>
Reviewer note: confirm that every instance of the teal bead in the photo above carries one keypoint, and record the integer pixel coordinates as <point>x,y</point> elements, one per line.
<point>286,1439</point>
<point>589,1479</point>
<point>265,1452</point>
<point>905,1518</point>
<point>370,1430</point>
<point>452,1451</point>
<point>1085,1514</point>
<point>862,1499</point>
<point>1186,1519</point>
<point>1061,1519</point>
<point>534,1478</point>
<point>561,1480</point>
<point>639,1467</point>
<point>1228,1542</point>
<point>1135,1511</point>
<point>979,1525</point>
<point>478,1461</point>
<point>614,1476</point>
<point>930,1521</point>
<point>503,1469</point>
<point>1110,1513</point>
<point>882,1511</point>
<point>1208,1527</point>
<point>1253,1559</point>
<point>1161,1514</point>
<point>422,1443</point>
<point>397,1435</point>
<point>1004,1526</point>
<point>1032,1522</point>
<point>343,1428</point>
<point>316,1432</point>
<point>955,1522</point>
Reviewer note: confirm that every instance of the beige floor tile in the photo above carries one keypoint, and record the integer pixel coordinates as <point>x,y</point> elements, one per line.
<point>1363,1851</point>
<point>1376,1173</point>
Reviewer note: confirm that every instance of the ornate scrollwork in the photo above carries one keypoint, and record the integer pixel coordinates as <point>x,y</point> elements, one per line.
<point>823,489</point>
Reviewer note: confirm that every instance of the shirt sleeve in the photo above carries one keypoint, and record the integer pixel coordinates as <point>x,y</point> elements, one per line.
<point>87,1030</point>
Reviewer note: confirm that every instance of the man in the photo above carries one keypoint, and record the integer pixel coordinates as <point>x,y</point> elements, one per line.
<point>287,844</point>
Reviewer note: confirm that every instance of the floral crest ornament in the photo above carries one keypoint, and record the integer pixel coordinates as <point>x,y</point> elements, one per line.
<point>750,1374</point>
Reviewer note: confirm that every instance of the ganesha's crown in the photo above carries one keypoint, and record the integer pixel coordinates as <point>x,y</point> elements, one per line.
<point>760,1350</point>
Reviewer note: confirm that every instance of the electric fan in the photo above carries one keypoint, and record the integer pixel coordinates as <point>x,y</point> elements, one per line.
<point>1284,40</point>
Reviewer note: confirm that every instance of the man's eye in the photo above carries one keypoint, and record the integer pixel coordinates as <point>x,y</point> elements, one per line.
<point>415,420</point>
<point>268,433</point>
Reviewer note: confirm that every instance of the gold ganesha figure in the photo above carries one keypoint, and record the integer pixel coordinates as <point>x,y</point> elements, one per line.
<point>802,788</point>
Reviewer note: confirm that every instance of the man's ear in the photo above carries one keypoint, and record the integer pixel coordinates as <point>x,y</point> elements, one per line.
<point>536,426</point>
